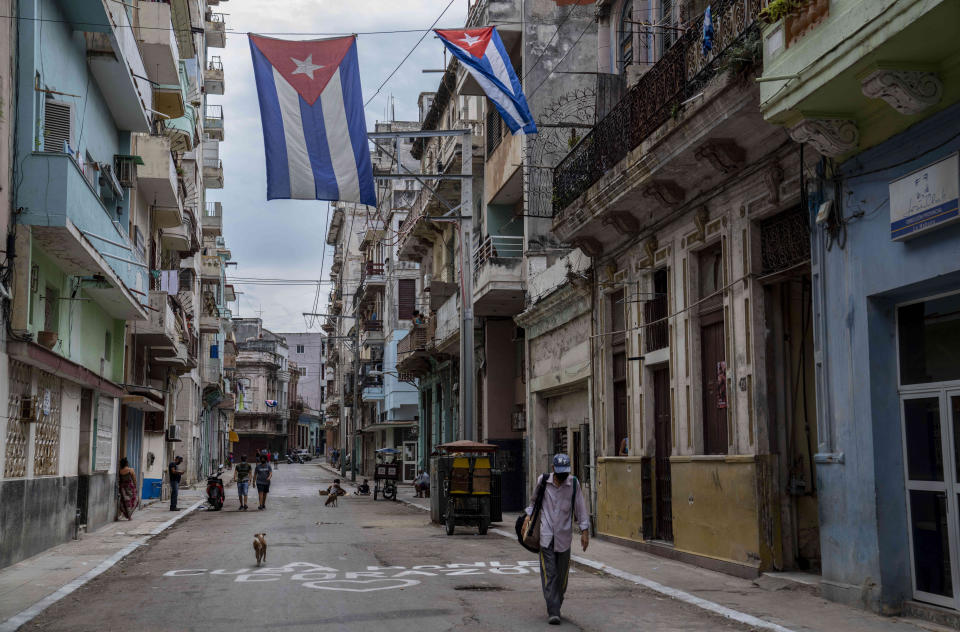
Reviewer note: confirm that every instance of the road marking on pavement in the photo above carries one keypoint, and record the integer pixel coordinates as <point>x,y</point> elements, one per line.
<point>673,593</point>
<point>25,616</point>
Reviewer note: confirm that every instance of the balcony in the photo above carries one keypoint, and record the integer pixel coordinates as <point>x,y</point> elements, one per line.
<point>210,268</point>
<point>213,76</point>
<point>372,392</point>
<point>216,30</point>
<point>181,238</point>
<point>213,121</point>
<point>439,292</point>
<point>856,72</point>
<point>158,43</point>
<point>115,62</point>
<point>674,135</point>
<point>71,224</point>
<point>212,220</point>
<point>160,331</point>
<point>498,288</point>
<point>373,274</point>
<point>157,180</point>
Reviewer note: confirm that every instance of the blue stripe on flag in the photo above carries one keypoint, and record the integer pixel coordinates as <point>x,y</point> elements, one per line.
<point>315,136</point>
<point>357,123</point>
<point>274,142</point>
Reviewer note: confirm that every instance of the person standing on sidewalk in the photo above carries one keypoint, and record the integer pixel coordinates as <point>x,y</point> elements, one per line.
<point>563,503</point>
<point>241,474</point>
<point>174,472</point>
<point>263,474</point>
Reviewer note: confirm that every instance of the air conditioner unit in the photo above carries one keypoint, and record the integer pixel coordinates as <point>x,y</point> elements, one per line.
<point>126,171</point>
<point>173,433</point>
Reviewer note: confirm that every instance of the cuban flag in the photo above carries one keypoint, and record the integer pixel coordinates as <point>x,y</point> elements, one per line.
<point>314,128</point>
<point>482,52</point>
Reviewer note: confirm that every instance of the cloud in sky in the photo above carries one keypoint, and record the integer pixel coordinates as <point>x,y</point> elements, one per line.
<point>286,238</point>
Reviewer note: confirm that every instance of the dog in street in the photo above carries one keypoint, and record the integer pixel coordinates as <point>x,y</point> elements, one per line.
<point>260,547</point>
<point>333,493</point>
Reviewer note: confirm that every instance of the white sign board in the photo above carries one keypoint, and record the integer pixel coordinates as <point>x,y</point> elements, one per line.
<point>925,199</point>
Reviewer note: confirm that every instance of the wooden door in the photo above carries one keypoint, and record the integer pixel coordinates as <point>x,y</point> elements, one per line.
<point>663,435</point>
<point>712,366</point>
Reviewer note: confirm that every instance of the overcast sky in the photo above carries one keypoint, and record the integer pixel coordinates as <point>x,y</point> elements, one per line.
<point>285,238</point>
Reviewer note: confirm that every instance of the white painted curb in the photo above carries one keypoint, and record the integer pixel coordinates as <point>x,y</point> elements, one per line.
<point>13,623</point>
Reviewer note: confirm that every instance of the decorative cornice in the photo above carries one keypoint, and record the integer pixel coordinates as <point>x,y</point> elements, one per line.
<point>563,304</point>
<point>831,137</point>
<point>907,91</point>
<point>723,154</point>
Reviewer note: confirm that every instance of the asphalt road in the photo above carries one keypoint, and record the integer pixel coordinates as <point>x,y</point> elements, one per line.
<point>365,565</point>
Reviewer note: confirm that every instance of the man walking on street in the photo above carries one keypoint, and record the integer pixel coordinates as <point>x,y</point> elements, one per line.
<point>174,472</point>
<point>241,474</point>
<point>562,502</point>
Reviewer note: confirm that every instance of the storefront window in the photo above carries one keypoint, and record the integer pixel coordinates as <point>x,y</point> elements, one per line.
<point>929,335</point>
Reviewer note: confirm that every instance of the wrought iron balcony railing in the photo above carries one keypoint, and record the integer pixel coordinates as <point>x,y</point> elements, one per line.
<point>681,73</point>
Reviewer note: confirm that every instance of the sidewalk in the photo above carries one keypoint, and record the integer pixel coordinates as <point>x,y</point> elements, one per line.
<point>772,602</point>
<point>31,585</point>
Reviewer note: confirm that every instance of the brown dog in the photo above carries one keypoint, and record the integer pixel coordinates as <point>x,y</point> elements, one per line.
<point>260,547</point>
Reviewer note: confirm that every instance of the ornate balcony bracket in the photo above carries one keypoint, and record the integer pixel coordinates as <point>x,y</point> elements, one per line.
<point>831,137</point>
<point>907,91</point>
<point>589,245</point>
<point>623,221</point>
<point>666,191</point>
<point>724,155</point>
<point>773,177</point>
<point>700,221</point>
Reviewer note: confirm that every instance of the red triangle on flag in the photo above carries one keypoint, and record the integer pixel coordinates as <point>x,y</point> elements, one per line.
<point>474,41</point>
<point>307,65</point>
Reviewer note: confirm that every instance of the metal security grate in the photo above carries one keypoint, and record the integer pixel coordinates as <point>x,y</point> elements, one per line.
<point>784,241</point>
<point>18,431</point>
<point>46,443</point>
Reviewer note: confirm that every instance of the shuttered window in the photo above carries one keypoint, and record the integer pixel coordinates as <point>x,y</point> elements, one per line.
<point>406,297</point>
<point>57,121</point>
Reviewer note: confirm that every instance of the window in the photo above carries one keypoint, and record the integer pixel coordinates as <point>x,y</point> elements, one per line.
<point>302,371</point>
<point>406,298</point>
<point>618,356</point>
<point>655,312</point>
<point>625,37</point>
<point>57,126</point>
<point>299,348</point>
<point>929,340</point>
<point>667,33</point>
<point>51,309</point>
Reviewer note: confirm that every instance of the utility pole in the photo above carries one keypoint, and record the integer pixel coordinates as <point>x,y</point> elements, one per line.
<point>466,299</point>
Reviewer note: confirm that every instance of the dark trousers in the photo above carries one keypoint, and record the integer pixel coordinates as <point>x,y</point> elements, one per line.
<point>174,492</point>
<point>554,568</point>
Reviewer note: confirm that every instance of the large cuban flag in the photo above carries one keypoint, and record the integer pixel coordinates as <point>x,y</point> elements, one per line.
<point>482,52</point>
<point>314,129</point>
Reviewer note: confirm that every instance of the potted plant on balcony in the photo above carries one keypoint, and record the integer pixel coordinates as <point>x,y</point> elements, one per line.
<point>798,16</point>
<point>47,338</point>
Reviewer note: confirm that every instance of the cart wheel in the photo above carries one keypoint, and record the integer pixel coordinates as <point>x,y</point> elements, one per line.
<point>450,523</point>
<point>482,527</point>
<point>390,492</point>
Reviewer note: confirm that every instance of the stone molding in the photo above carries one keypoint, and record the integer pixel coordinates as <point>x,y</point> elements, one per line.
<point>831,137</point>
<point>907,91</point>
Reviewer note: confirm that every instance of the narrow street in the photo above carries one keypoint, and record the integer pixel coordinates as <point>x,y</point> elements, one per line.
<point>364,565</point>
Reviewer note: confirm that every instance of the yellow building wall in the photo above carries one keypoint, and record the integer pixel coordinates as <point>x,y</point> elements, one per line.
<point>619,508</point>
<point>723,508</point>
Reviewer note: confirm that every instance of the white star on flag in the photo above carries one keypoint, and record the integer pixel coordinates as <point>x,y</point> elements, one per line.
<point>469,40</point>
<point>305,66</point>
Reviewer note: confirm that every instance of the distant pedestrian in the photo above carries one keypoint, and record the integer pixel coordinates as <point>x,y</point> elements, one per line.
<point>174,473</point>
<point>241,474</point>
<point>263,475</point>
<point>562,501</point>
<point>276,460</point>
<point>127,481</point>
<point>421,484</point>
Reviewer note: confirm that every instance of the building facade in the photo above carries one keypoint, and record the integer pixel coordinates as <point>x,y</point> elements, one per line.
<point>104,294</point>
<point>263,378</point>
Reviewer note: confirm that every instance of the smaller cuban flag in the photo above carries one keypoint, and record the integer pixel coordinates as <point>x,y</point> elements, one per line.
<point>482,52</point>
<point>271,403</point>
<point>314,127</point>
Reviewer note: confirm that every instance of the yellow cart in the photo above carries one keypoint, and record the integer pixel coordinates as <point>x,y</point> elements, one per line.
<point>468,466</point>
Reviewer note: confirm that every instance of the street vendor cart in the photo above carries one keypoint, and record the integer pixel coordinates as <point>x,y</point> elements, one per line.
<point>467,468</point>
<point>386,474</point>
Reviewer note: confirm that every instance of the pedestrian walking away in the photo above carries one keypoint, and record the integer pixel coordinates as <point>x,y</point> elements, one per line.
<point>562,505</point>
<point>174,473</point>
<point>263,474</point>
<point>241,474</point>
<point>127,482</point>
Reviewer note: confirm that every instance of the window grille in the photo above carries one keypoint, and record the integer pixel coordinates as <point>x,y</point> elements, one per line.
<point>18,430</point>
<point>784,241</point>
<point>46,446</point>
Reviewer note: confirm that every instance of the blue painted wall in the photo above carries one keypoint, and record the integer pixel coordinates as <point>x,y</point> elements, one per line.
<point>863,516</point>
<point>400,398</point>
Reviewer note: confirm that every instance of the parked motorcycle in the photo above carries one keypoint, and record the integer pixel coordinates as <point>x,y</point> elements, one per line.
<point>215,494</point>
<point>290,459</point>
